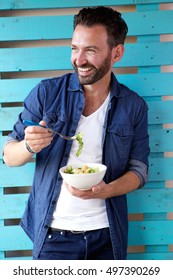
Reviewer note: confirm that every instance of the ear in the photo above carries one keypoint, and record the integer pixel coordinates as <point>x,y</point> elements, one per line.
<point>117,53</point>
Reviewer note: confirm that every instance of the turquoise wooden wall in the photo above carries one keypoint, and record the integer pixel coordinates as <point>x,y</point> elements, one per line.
<point>34,44</point>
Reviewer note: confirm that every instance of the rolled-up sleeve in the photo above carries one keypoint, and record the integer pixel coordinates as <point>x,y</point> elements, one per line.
<point>140,169</point>
<point>8,140</point>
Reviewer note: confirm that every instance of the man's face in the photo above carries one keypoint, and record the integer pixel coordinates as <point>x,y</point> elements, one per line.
<point>91,56</point>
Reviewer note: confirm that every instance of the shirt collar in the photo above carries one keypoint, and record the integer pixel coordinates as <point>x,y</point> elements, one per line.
<point>115,87</point>
<point>74,85</point>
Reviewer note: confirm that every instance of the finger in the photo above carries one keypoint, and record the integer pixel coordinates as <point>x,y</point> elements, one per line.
<point>43,123</point>
<point>80,193</point>
<point>39,141</point>
<point>96,188</point>
<point>38,137</point>
<point>36,132</point>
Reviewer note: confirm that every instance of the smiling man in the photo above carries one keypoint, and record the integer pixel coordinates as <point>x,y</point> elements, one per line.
<point>62,221</point>
<point>91,55</point>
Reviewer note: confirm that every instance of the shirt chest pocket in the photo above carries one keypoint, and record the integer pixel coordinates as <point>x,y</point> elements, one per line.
<point>56,121</point>
<point>121,139</point>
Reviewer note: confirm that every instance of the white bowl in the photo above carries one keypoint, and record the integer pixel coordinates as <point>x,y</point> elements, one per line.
<point>84,181</point>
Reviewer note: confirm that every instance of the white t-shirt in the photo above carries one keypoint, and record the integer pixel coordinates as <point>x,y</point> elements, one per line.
<point>73,213</point>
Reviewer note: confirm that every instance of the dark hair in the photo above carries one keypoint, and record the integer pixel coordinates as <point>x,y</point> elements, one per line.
<point>115,25</point>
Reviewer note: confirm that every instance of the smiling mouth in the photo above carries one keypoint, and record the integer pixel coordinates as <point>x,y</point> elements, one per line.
<point>84,71</point>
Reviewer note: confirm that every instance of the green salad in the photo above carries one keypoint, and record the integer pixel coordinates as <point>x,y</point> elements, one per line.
<point>79,138</point>
<point>81,170</point>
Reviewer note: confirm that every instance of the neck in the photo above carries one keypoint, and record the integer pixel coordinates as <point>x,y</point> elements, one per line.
<point>101,88</point>
<point>95,95</point>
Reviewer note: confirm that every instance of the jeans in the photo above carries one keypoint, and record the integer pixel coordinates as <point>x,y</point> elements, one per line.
<point>65,245</point>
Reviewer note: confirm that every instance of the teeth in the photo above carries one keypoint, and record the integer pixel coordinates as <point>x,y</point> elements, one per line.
<point>84,69</point>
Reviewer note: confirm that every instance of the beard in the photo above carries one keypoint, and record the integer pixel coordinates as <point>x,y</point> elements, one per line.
<point>96,73</point>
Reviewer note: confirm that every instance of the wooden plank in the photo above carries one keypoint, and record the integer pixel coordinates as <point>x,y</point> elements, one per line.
<point>10,114</point>
<point>145,84</point>
<point>140,201</point>
<point>160,112</point>
<point>160,169</point>
<point>150,201</point>
<point>29,59</point>
<point>150,233</point>
<point>53,58</point>
<point>15,90</point>
<point>35,27</point>
<point>14,238</point>
<point>44,4</point>
<point>146,55</point>
<point>160,140</point>
<point>148,22</point>
<point>150,256</point>
<point>12,205</point>
<point>17,176</point>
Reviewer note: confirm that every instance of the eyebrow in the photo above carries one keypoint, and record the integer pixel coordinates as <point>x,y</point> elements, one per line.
<point>87,47</point>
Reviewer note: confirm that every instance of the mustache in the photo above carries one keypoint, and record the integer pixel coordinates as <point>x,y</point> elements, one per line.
<point>84,66</point>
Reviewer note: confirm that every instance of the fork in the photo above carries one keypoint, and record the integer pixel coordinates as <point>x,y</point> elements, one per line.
<point>30,123</point>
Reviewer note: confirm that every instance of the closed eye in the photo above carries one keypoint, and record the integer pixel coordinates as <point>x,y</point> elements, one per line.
<point>91,51</point>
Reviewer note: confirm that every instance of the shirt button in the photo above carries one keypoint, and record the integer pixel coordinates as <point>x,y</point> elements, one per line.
<point>80,108</point>
<point>53,202</point>
<point>46,226</point>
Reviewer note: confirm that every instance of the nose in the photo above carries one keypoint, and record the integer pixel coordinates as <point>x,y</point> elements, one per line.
<point>79,58</point>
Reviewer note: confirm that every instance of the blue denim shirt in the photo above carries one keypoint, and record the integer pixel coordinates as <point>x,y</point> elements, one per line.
<point>60,103</point>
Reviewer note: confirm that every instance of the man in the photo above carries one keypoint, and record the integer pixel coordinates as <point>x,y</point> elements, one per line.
<point>63,222</point>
